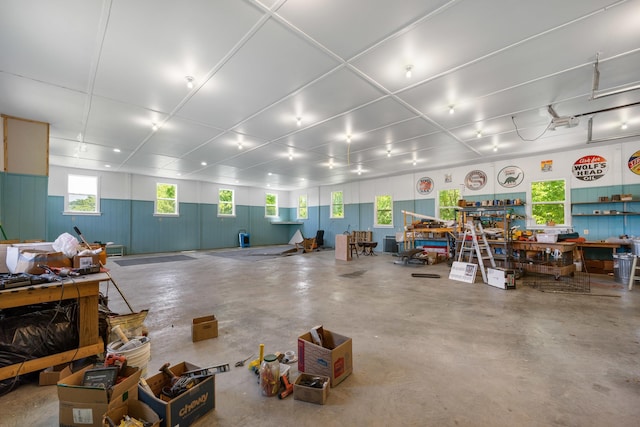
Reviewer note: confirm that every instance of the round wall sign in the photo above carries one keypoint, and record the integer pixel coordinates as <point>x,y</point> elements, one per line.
<point>634,163</point>
<point>590,168</point>
<point>475,180</point>
<point>424,185</point>
<point>510,177</point>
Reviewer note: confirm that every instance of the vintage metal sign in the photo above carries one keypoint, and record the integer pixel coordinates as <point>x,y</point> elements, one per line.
<point>475,180</point>
<point>634,163</point>
<point>510,177</point>
<point>424,185</point>
<point>590,168</point>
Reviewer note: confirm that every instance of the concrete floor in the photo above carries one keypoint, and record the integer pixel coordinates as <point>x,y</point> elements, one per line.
<point>427,352</point>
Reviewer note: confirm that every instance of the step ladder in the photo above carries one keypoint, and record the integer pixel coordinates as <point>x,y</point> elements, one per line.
<point>635,271</point>
<point>477,246</point>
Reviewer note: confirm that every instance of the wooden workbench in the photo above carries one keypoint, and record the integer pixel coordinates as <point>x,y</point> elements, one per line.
<point>86,290</point>
<point>541,262</point>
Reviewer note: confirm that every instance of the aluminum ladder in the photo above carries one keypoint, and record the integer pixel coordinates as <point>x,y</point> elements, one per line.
<point>478,246</point>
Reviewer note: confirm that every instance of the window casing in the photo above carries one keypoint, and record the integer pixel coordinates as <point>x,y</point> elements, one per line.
<point>337,204</point>
<point>548,202</point>
<point>447,203</point>
<point>384,211</point>
<point>83,196</point>
<point>271,205</point>
<point>166,199</point>
<point>226,202</point>
<point>303,212</point>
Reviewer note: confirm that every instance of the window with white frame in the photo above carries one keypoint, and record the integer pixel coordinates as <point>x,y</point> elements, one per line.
<point>384,211</point>
<point>548,200</point>
<point>271,205</point>
<point>447,202</point>
<point>226,202</point>
<point>337,204</point>
<point>303,212</point>
<point>166,199</point>
<point>82,194</point>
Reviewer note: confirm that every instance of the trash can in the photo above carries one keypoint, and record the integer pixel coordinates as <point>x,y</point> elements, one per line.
<point>622,267</point>
<point>636,247</point>
<point>244,240</point>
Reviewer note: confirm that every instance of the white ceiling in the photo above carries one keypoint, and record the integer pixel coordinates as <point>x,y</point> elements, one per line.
<point>101,72</point>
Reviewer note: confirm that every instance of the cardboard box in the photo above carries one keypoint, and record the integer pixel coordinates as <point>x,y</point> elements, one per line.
<point>135,409</point>
<point>203,328</point>
<point>25,258</point>
<point>51,376</point>
<point>334,359</point>
<point>311,394</point>
<point>82,261</point>
<point>185,409</point>
<point>85,406</point>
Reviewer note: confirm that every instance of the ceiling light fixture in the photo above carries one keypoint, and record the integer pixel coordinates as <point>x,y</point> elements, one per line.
<point>415,162</point>
<point>388,153</point>
<point>479,134</point>
<point>107,166</point>
<point>408,70</point>
<point>239,145</point>
<point>451,109</point>
<point>348,139</point>
<point>623,126</point>
<point>189,80</point>
<point>203,163</point>
<point>495,147</point>
<point>154,127</point>
<point>269,173</point>
<point>299,121</point>
<point>116,150</point>
<point>331,164</point>
<point>290,156</point>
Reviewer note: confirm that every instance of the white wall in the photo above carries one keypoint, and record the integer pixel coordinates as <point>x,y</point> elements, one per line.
<point>116,185</point>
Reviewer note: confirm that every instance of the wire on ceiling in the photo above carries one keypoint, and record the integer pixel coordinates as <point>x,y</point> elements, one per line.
<point>513,119</point>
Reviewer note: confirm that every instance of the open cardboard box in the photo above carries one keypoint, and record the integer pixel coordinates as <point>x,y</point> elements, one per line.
<point>135,409</point>
<point>85,406</point>
<point>184,409</point>
<point>311,394</point>
<point>334,359</point>
<point>203,328</point>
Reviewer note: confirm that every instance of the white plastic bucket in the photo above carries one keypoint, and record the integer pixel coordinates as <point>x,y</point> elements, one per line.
<point>138,357</point>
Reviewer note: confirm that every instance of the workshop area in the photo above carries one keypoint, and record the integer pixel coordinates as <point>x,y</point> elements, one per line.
<point>425,351</point>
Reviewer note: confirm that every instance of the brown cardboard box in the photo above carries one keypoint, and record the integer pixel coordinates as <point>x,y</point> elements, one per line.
<point>203,328</point>
<point>185,409</point>
<point>82,261</point>
<point>311,394</point>
<point>135,409</point>
<point>334,359</point>
<point>85,406</point>
<point>51,376</point>
<point>25,260</point>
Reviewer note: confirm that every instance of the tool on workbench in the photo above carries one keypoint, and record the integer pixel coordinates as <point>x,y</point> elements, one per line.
<point>77,230</point>
<point>242,362</point>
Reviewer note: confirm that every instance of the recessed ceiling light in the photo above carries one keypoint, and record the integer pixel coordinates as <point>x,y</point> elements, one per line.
<point>116,150</point>
<point>415,162</point>
<point>189,80</point>
<point>331,164</point>
<point>451,109</point>
<point>107,166</point>
<point>239,145</point>
<point>290,156</point>
<point>299,121</point>
<point>203,163</point>
<point>154,127</point>
<point>348,138</point>
<point>623,126</point>
<point>495,147</point>
<point>407,72</point>
<point>179,174</point>
<point>269,174</point>
<point>479,134</point>
<point>388,153</point>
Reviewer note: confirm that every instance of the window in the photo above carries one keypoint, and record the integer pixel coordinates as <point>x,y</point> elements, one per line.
<point>548,202</point>
<point>337,204</point>
<point>82,194</point>
<point>226,203</point>
<point>384,211</point>
<point>271,205</point>
<point>447,202</point>
<point>303,213</point>
<point>166,199</point>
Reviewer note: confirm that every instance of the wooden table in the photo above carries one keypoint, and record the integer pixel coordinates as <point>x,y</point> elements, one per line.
<point>86,290</point>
